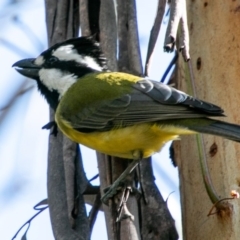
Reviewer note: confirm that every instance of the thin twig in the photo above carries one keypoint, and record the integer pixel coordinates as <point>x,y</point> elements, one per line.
<point>171,64</point>
<point>94,177</point>
<point>94,212</point>
<point>184,39</point>
<point>215,205</point>
<point>178,13</point>
<point>203,160</point>
<point>171,33</point>
<point>154,34</point>
<point>29,221</point>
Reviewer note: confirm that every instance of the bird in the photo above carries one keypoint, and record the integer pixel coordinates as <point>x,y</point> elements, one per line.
<point>117,113</point>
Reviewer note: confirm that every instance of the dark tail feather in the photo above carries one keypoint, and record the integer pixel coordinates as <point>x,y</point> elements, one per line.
<point>219,128</point>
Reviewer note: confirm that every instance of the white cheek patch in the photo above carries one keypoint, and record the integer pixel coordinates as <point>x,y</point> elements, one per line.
<point>64,52</point>
<point>68,53</point>
<point>91,63</point>
<point>54,79</point>
<point>39,60</point>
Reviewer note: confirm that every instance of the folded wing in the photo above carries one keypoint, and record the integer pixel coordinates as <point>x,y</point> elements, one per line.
<point>148,101</point>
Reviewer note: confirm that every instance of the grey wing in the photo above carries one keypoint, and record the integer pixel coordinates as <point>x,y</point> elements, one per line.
<point>149,101</point>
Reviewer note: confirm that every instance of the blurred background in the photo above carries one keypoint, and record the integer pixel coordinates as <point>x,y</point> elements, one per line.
<point>23,111</point>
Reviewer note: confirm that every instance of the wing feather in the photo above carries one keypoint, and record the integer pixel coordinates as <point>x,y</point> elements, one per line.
<point>149,101</point>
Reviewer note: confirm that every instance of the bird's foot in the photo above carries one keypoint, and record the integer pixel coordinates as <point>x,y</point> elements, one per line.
<point>51,125</point>
<point>117,185</point>
<point>122,210</point>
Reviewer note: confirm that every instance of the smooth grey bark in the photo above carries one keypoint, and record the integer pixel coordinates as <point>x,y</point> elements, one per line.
<point>65,177</point>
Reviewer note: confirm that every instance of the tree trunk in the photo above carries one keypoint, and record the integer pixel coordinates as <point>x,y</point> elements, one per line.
<point>214,48</point>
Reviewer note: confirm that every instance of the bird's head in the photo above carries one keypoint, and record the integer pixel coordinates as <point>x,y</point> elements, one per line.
<point>57,68</point>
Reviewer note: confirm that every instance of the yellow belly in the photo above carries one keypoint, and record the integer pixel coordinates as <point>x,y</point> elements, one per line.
<point>147,138</point>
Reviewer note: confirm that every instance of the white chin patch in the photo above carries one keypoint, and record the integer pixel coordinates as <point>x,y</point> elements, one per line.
<point>54,79</point>
<point>68,53</point>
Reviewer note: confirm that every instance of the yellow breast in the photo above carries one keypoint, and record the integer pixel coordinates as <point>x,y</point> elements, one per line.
<point>148,138</point>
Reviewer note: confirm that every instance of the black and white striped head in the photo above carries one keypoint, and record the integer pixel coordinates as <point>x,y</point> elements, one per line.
<point>57,68</point>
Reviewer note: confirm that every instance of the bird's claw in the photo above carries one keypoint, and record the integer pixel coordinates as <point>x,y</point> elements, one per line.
<point>51,125</point>
<point>123,212</point>
<point>112,190</point>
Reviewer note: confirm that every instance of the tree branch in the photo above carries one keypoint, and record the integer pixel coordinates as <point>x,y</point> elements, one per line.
<point>66,203</point>
<point>178,14</point>
<point>154,34</point>
<point>157,222</point>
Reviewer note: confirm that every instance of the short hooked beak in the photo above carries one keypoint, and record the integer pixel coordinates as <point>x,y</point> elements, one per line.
<point>27,68</point>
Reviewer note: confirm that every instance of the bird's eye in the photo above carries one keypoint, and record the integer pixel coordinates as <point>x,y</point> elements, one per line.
<point>52,60</point>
